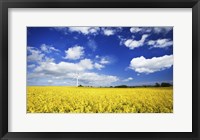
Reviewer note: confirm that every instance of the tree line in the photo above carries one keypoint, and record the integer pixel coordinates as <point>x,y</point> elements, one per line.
<point>163,84</point>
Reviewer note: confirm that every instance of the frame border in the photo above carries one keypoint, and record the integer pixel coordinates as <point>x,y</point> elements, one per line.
<point>6,4</point>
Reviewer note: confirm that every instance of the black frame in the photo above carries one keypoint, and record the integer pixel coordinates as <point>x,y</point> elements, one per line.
<point>5,4</point>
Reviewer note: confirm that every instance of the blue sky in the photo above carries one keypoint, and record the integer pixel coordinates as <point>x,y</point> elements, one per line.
<point>100,56</point>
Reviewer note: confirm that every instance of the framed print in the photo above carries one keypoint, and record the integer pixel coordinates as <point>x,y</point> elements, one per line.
<point>85,68</point>
<point>99,70</point>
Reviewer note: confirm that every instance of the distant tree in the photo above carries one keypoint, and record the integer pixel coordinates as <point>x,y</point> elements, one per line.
<point>157,85</point>
<point>166,85</point>
<point>121,86</point>
<point>80,86</point>
<point>111,86</point>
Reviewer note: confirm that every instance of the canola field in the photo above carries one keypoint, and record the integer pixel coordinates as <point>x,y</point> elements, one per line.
<point>61,99</point>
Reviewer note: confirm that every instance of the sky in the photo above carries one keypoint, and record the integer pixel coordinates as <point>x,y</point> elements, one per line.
<point>99,56</point>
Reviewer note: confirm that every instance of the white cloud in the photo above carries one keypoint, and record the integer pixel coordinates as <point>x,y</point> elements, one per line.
<point>104,60</point>
<point>85,64</point>
<point>44,48</point>
<point>98,79</point>
<point>101,61</point>
<point>65,72</point>
<point>92,45</point>
<point>143,65</point>
<point>47,59</point>
<point>128,79</point>
<point>98,66</point>
<point>160,43</point>
<point>48,48</point>
<point>74,53</point>
<point>132,44</point>
<point>85,78</point>
<point>164,30</point>
<point>122,39</point>
<point>140,29</point>
<point>64,67</point>
<point>35,54</point>
<point>54,49</point>
<point>135,29</point>
<point>108,31</point>
<point>50,81</point>
<point>156,30</point>
<point>85,30</point>
<point>31,66</point>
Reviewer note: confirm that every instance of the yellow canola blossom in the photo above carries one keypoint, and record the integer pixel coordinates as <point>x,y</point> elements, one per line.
<point>61,99</point>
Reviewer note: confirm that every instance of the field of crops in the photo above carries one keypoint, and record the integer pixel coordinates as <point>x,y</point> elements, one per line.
<point>60,99</point>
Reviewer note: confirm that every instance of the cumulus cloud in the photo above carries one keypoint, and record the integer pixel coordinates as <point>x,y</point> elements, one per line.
<point>128,79</point>
<point>132,44</point>
<point>74,53</point>
<point>160,43</point>
<point>108,31</point>
<point>98,66</point>
<point>140,29</point>
<point>34,54</point>
<point>135,29</point>
<point>85,30</point>
<point>122,39</point>
<point>92,45</point>
<point>104,60</point>
<point>164,30</point>
<point>86,63</point>
<point>64,67</point>
<point>143,65</point>
<point>156,30</point>
<point>50,81</point>
<point>31,66</point>
<point>66,71</point>
<point>98,79</point>
<point>48,48</point>
<point>47,59</point>
<point>85,78</point>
